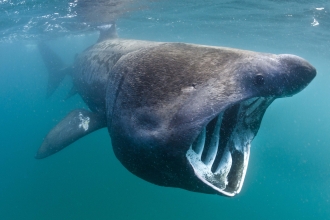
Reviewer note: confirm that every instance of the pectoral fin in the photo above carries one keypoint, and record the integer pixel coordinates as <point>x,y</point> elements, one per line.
<point>75,125</point>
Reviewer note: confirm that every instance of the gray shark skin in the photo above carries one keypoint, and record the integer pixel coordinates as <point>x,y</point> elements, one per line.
<point>179,115</point>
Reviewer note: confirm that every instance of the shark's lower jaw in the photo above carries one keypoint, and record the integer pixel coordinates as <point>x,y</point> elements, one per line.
<point>220,153</point>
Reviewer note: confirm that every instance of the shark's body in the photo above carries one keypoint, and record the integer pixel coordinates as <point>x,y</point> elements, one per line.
<point>179,115</point>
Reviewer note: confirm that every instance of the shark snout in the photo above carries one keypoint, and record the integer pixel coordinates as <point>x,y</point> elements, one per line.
<point>297,74</point>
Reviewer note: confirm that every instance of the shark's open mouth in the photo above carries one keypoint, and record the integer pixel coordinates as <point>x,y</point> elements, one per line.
<point>220,153</point>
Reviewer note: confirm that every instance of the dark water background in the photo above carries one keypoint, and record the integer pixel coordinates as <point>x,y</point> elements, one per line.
<point>289,170</point>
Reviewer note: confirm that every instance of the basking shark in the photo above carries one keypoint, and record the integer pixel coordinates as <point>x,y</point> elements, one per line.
<point>179,115</point>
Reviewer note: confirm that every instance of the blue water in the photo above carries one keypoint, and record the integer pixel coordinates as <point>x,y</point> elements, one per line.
<point>289,170</point>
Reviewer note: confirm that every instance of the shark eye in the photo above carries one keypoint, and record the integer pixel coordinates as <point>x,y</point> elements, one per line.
<point>259,80</point>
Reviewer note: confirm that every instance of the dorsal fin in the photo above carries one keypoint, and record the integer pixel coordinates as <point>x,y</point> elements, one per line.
<point>107,31</point>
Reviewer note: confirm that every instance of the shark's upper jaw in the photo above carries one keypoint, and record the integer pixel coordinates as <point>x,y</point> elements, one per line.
<point>220,153</point>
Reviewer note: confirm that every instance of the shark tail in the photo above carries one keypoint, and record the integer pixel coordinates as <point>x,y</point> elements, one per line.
<point>55,66</point>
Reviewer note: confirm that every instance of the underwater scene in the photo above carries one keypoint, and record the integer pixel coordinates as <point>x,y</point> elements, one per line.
<point>149,152</point>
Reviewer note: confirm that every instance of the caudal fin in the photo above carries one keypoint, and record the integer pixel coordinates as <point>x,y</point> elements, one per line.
<point>55,66</point>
